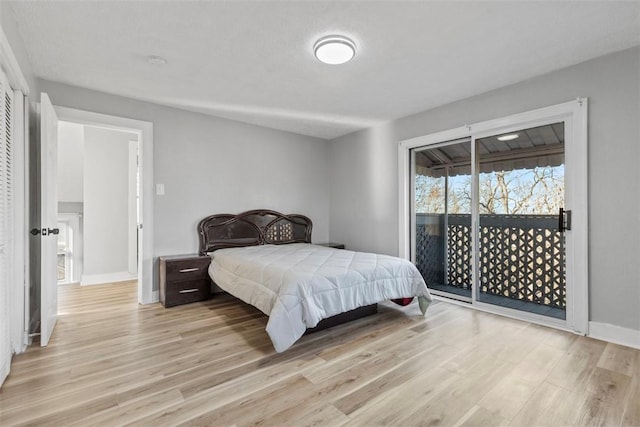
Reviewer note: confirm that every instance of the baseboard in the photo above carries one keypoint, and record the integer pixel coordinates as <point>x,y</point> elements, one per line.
<point>615,334</point>
<point>4,371</point>
<point>101,279</point>
<point>151,298</point>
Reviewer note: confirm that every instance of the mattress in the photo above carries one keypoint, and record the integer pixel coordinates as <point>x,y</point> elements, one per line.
<point>299,284</point>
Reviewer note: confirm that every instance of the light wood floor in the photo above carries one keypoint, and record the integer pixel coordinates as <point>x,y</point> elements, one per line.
<point>112,362</point>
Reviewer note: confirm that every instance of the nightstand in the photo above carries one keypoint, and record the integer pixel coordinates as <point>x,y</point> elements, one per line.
<point>184,279</point>
<point>331,245</point>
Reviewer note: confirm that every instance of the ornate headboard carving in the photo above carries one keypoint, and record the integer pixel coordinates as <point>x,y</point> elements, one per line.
<point>252,228</point>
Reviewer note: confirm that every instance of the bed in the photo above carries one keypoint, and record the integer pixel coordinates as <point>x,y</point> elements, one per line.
<point>266,259</point>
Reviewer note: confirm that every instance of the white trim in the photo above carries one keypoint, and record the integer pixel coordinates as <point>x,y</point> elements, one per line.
<point>504,124</point>
<point>438,137</point>
<point>526,316</point>
<point>404,193</point>
<point>578,315</point>
<point>145,131</point>
<point>11,66</point>
<point>20,305</point>
<point>26,286</point>
<point>102,279</point>
<point>574,114</point>
<point>20,246</point>
<point>73,219</point>
<point>450,297</point>
<point>522,316</point>
<point>475,214</point>
<point>4,371</point>
<point>132,200</point>
<point>615,334</point>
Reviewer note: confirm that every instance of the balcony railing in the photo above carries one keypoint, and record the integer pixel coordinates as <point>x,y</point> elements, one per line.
<point>521,257</point>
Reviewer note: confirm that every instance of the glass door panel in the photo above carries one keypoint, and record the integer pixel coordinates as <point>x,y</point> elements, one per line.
<point>521,250</point>
<point>442,243</point>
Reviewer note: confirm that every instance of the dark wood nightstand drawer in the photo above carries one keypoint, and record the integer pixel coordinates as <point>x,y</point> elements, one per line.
<point>187,269</point>
<point>184,279</point>
<point>186,292</point>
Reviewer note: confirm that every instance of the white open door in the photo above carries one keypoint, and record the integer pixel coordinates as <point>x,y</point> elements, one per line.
<point>49,219</point>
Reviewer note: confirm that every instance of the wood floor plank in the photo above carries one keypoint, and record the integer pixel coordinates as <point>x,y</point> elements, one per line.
<point>279,397</point>
<point>606,398</point>
<point>61,413</point>
<point>113,362</point>
<point>391,406</point>
<point>536,366</point>
<point>449,403</point>
<point>631,413</point>
<point>354,355</point>
<point>618,358</point>
<point>132,411</point>
<point>479,416</point>
<point>508,397</point>
<point>52,401</point>
<point>324,415</point>
<point>395,378</point>
<point>551,406</point>
<point>573,370</point>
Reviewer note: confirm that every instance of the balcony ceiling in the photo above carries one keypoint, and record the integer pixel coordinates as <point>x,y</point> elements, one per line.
<point>534,147</point>
<point>253,61</point>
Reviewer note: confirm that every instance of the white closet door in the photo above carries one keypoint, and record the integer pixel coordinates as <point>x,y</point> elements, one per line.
<point>48,218</point>
<point>6,222</point>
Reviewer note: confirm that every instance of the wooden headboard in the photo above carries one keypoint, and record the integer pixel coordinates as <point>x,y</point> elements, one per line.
<point>252,228</point>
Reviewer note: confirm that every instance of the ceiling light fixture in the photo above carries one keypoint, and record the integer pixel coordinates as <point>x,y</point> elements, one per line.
<point>156,60</point>
<point>334,50</point>
<point>508,137</point>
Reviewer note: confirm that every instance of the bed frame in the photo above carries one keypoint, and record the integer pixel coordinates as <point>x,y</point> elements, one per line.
<point>252,228</point>
<point>266,227</point>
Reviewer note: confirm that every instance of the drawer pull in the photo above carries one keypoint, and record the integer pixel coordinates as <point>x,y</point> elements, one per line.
<point>188,270</point>
<point>188,291</point>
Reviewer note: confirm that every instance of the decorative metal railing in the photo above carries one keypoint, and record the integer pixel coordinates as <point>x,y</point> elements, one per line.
<point>520,256</point>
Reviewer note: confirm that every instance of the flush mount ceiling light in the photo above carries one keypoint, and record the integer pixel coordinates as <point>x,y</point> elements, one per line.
<point>508,137</point>
<point>156,60</point>
<point>334,50</point>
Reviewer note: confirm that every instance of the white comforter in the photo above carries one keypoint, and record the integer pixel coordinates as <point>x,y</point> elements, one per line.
<point>297,285</point>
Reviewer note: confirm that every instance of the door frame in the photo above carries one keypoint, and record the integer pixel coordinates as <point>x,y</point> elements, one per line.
<point>73,219</point>
<point>18,313</point>
<point>574,114</point>
<point>146,294</point>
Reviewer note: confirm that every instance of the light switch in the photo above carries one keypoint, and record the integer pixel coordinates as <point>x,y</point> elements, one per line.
<point>160,189</point>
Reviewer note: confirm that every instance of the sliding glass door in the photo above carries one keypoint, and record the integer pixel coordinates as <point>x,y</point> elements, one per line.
<point>442,207</point>
<point>488,219</point>
<point>521,192</point>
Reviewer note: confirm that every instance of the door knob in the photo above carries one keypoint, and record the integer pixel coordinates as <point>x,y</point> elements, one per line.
<point>45,231</point>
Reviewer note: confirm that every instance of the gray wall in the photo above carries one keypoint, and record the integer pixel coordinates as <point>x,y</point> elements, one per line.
<point>106,200</point>
<point>70,162</point>
<point>10,28</point>
<point>210,165</point>
<point>363,172</point>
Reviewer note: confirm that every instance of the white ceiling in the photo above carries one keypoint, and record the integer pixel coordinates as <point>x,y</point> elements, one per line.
<point>253,61</point>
